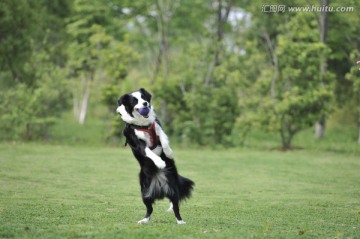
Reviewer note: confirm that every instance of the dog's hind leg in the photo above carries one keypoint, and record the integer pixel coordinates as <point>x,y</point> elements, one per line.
<point>149,209</point>
<point>175,204</point>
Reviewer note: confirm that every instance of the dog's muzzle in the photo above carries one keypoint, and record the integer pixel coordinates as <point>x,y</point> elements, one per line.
<point>144,111</point>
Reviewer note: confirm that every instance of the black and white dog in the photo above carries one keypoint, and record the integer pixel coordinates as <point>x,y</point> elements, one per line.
<point>150,145</point>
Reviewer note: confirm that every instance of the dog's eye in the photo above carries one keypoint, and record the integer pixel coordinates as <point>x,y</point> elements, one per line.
<point>134,101</point>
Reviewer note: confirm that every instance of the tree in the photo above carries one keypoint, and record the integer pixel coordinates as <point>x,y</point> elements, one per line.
<point>83,28</point>
<point>354,77</point>
<point>222,15</point>
<point>95,55</point>
<point>288,94</point>
<point>298,54</point>
<point>200,90</point>
<point>344,45</point>
<point>34,91</point>
<point>18,23</point>
<point>322,23</point>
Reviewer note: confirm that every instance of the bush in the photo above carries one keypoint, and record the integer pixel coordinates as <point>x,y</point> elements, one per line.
<point>27,113</point>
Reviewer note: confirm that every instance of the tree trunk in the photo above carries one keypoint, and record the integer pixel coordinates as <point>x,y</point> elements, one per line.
<point>221,21</point>
<point>320,127</point>
<point>84,104</point>
<point>285,139</point>
<point>81,98</point>
<point>287,132</point>
<point>274,63</point>
<point>164,11</point>
<point>75,104</point>
<point>323,28</point>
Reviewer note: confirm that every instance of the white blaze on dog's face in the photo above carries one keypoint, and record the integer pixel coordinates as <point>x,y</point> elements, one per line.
<point>135,108</point>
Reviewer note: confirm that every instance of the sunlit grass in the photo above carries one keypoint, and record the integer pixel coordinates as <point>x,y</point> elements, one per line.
<point>91,192</point>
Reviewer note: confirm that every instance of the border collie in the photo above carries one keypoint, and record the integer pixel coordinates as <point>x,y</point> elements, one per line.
<point>150,145</point>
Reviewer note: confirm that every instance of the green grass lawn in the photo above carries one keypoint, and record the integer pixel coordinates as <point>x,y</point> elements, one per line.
<point>50,191</point>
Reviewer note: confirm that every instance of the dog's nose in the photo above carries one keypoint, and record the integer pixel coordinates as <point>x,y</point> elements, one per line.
<point>145,104</point>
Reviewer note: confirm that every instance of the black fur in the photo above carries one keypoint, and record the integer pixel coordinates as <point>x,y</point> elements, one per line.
<point>129,102</point>
<point>176,188</point>
<point>145,95</point>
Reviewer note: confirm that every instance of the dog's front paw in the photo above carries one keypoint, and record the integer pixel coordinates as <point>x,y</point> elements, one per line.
<point>160,163</point>
<point>168,152</point>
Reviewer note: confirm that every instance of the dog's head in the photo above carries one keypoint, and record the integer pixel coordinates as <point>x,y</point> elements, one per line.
<point>135,108</point>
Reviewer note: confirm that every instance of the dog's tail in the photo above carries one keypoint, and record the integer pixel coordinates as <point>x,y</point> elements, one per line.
<point>186,187</point>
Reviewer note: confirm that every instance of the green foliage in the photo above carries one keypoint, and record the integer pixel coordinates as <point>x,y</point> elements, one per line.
<point>34,91</point>
<point>354,96</point>
<point>195,112</point>
<point>117,59</point>
<point>293,94</point>
<point>353,74</point>
<point>18,24</point>
<point>208,75</point>
<point>98,59</point>
<point>27,112</point>
<point>211,116</point>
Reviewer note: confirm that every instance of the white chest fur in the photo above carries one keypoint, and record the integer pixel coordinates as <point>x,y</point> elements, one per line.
<point>155,153</point>
<point>143,136</point>
<point>149,143</point>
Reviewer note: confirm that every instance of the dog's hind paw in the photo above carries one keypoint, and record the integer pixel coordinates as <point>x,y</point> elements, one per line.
<point>180,222</point>
<point>144,221</point>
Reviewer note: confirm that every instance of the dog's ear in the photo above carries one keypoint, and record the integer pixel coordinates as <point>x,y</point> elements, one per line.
<point>124,100</point>
<point>145,95</point>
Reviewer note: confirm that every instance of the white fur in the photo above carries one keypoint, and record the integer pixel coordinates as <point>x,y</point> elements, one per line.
<point>144,136</point>
<point>164,141</point>
<point>153,155</point>
<point>170,209</point>
<point>137,119</point>
<point>158,185</point>
<point>158,150</point>
<point>147,138</point>
<point>144,221</point>
<point>156,159</point>
<point>141,102</point>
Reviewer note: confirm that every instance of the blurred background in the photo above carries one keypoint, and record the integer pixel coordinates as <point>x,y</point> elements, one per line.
<point>223,73</point>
